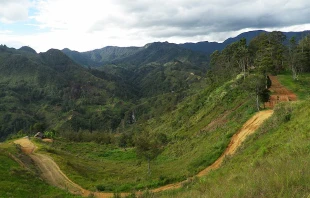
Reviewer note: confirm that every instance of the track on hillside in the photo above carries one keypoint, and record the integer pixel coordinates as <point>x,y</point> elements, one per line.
<point>52,174</point>
<point>279,93</point>
<point>248,128</point>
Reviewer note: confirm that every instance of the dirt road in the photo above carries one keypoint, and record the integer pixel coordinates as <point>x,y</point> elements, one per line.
<point>279,93</point>
<point>248,128</point>
<point>51,172</point>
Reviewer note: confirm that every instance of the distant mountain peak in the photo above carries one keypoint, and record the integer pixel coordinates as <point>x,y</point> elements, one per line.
<point>27,49</point>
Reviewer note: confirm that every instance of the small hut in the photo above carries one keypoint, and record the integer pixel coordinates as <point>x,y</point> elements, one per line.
<point>39,135</point>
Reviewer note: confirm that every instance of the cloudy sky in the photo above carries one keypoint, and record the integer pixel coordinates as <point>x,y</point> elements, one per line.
<point>89,24</point>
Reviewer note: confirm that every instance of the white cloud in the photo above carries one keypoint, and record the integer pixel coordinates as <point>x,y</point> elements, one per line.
<point>88,24</point>
<point>14,10</point>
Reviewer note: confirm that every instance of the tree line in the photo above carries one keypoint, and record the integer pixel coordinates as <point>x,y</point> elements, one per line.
<point>268,53</point>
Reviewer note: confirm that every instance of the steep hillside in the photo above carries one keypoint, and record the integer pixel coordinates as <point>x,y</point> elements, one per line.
<point>272,163</point>
<point>49,91</point>
<point>19,177</point>
<point>47,88</point>
<point>151,70</point>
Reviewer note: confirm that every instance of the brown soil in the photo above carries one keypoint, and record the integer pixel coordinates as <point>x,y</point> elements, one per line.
<point>48,140</point>
<point>279,93</point>
<point>51,173</point>
<point>26,145</point>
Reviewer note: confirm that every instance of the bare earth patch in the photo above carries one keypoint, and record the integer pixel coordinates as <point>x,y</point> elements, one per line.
<point>279,93</point>
<point>51,172</point>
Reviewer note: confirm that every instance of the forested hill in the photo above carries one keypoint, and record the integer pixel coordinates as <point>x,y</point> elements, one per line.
<point>210,47</point>
<point>122,85</point>
<point>45,91</point>
<point>161,52</point>
<point>49,89</point>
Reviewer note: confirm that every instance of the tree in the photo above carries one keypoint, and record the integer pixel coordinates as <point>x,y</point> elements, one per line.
<point>294,59</point>
<point>256,84</point>
<point>241,55</point>
<point>267,51</point>
<point>38,127</point>
<point>304,53</point>
<point>148,147</point>
<point>50,134</point>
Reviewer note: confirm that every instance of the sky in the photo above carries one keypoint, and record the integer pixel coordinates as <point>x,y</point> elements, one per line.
<point>84,25</point>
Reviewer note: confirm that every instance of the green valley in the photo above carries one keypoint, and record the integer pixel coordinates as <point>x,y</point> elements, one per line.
<point>131,120</point>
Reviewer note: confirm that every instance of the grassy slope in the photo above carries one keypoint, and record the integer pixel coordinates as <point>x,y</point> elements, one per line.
<point>274,162</point>
<point>300,87</point>
<point>192,146</point>
<point>21,182</point>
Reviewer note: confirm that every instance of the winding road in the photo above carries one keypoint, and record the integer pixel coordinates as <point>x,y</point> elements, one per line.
<point>52,174</point>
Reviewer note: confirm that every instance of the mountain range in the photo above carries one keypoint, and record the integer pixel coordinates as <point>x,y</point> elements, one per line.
<point>161,51</point>
<point>210,47</point>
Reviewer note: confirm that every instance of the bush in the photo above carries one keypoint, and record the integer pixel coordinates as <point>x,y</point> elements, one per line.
<point>100,187</point>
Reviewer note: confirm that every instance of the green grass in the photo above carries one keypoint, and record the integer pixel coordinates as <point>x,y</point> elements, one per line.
<point>300,86</point>
<point>274,162</point>
<point>17,181</point>
<point>191,148</point>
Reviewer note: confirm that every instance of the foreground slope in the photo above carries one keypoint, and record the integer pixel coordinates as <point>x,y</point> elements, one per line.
<point>272,163</point>
<point>19,181</point>
<point>51,173</point>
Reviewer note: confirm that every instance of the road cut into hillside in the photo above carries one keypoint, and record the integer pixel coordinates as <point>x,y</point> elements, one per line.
<point>247,129</point>
<point>52,174</point>
<point>279,93</point>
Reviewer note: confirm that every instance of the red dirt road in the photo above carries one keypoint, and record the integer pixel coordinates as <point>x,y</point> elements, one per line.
<point>248,128</point>
<point>51,173</point>
<point>279,93</point>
